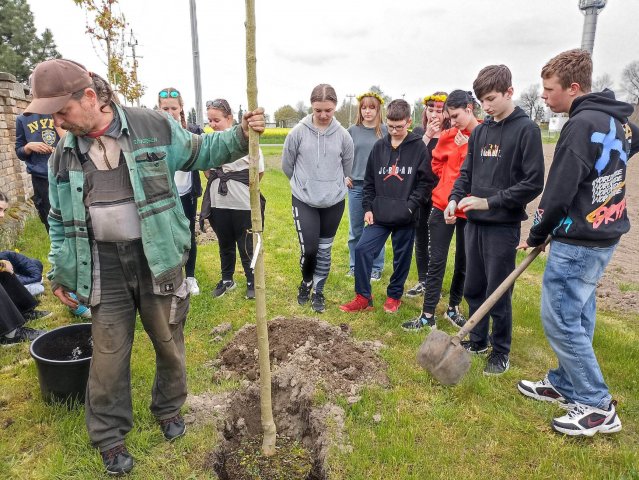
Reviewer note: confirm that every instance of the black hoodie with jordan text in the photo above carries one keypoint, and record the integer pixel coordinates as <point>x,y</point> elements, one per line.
<point>397,181</point>
<point>505,165</point>
<point>584,200</point>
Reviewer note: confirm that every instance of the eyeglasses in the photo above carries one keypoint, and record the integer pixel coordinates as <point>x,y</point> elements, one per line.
<point>392,128</point>
<point>219,104</point>
<point>167,94</point>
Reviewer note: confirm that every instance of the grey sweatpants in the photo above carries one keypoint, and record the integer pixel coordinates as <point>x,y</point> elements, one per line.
<point>126,287</point>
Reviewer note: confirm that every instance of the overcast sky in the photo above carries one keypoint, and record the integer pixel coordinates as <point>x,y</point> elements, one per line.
<point>409,47</point>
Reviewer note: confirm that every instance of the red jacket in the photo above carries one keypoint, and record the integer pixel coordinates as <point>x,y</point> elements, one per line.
<point>447,160</point>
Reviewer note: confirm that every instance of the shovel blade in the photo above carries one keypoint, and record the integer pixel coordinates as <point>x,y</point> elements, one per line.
<point>448,362</point>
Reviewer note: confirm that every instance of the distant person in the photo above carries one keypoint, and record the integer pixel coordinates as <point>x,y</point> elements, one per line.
<point>36,138</point>
<point>398,176</point>
<point>433,124</point>
<point>317,159</point>
<point>17,305</point>
<point>448,157</point>
<point>119,239</point>
<point>227,205</point>
<point>367,130</point>
<point>28,271</point>
<point>583,209</point>
<point>503,171</point>
<point>188,184</point>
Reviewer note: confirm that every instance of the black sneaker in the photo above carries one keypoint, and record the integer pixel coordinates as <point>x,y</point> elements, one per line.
<point>318,302</point>
<point>117,460</point>
<point>304,292</point>
<point>455,316</point>
<point>417,290</point>
<point>498,363</point>
<point>223,286</point>
<point>173,427</point>
<point>474,347</point>
<point>420,323</point>
<point>23,334</point>
<point>250,291</point>
<point>36,315</point>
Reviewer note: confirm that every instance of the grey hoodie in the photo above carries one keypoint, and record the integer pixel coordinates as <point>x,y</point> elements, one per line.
<point>316,162</point>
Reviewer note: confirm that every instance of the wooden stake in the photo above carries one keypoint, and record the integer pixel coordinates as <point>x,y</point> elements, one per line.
<point>268,425</point>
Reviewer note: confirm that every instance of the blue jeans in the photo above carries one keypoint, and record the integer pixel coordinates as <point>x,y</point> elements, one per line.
<point>373,239</point>
<point>568,314</point>
<point>356,225</point>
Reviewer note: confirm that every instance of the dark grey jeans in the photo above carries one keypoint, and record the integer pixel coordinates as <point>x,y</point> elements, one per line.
<point>126,288</point>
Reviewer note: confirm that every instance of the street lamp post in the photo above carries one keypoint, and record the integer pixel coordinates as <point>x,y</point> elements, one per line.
<point>197,76</point>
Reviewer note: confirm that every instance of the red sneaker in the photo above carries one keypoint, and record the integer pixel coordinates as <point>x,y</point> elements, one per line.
<point>359,304</point>
<point>391,305</point>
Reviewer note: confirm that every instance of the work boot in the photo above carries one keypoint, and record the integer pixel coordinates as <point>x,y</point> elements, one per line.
<point>117,460</point>
<point>173,427</point>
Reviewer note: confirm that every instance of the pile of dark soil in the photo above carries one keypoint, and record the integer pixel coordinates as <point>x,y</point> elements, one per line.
<point>308,356</point>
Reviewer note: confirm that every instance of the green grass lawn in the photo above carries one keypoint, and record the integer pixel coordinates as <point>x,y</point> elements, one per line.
<point>481,428</point>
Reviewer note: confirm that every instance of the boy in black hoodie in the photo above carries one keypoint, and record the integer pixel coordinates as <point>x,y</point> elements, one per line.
<point>397,180</point>
<point>583,208</point>
<point>502,172</point>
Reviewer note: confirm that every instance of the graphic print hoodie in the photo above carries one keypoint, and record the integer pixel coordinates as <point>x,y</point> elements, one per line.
<point>35,128</point>
<point>316,162</point>
<point>504,164</point>
<point>584,200</point>
<point>397,181</point>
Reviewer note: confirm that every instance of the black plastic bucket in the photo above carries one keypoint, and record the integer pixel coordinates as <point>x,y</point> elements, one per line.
<point>63,356</point>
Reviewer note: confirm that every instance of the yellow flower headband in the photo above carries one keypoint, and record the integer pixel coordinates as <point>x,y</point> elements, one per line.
<point>434,98</point>
<point>371,94</point>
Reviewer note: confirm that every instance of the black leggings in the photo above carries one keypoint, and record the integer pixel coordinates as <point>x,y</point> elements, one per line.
<point>189,204</point>
<point>316,229</point>
<point>441,234</point>
<point>421,241</point>
<point>232,229</point>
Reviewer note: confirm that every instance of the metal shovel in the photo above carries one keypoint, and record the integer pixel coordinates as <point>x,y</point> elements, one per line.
<point>442,354</point>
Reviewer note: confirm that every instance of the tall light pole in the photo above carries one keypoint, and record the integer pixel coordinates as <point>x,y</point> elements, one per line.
<point>197,77</point>
<point>590,9</point>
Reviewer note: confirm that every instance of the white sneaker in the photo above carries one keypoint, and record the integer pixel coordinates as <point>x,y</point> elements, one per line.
<point>587,420</point>
<point>194,288</point>
<point>543,391</point>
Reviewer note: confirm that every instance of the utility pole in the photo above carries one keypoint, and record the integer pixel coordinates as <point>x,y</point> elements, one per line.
<point>133,43</point>
<point>350,97</point>
<point>197,76</point>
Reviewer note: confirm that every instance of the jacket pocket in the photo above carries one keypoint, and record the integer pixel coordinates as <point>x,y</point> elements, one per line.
<point>154,176</point>
<point>391,211</point>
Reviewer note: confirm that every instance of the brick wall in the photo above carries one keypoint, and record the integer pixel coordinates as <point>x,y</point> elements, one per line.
<point>14,180</point>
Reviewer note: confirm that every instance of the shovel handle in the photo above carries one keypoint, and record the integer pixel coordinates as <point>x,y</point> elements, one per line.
<point>490,302</point>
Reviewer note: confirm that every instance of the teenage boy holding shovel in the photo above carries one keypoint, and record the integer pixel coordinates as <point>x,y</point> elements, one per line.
<point>583,208</point>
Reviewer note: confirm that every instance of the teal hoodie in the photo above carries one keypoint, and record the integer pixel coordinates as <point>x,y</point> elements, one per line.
<point>317,162</point>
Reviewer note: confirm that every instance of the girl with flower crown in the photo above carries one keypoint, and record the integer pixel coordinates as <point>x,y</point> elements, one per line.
<point>433,122</point>
<point>367,130</point>
<point>447,159</point>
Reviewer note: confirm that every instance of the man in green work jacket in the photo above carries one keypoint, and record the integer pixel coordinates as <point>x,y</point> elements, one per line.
<point>119,238</point>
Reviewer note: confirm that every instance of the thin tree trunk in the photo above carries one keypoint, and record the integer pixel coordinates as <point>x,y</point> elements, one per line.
<point>268,425</point>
